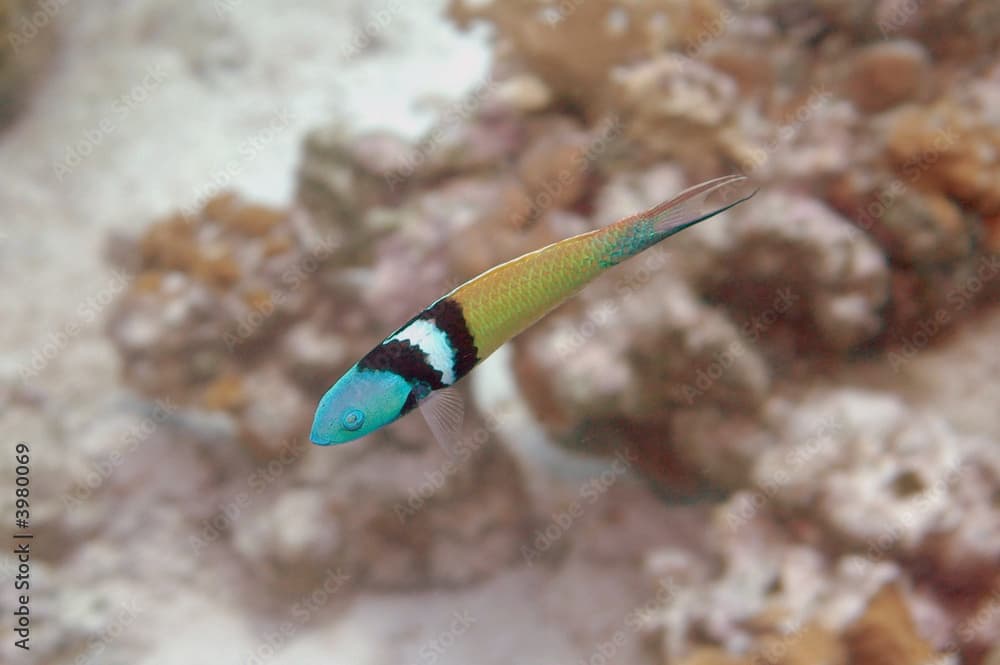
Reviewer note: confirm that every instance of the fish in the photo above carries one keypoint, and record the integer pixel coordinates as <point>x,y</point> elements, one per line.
<point>427,355</point>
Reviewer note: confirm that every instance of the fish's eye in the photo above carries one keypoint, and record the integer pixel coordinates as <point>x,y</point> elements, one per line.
<point>353,419</point>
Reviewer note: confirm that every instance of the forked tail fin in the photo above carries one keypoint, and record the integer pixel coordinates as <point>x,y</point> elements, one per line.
<point>691,206</point>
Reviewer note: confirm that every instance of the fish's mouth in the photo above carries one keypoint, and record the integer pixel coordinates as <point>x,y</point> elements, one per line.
<point>320,439</point>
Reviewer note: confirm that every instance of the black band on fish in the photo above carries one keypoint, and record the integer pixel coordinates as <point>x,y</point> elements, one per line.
<point>418,392</point>
<point>448,317</point>
<point>410,403</point>
<point>405,359</point>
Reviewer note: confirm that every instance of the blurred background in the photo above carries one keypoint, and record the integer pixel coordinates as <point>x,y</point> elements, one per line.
<point>771,440</point>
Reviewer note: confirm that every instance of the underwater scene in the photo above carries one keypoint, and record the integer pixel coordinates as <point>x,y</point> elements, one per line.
<point>549,332</point>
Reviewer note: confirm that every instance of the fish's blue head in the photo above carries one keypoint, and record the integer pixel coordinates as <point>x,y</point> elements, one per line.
<point>362,401</point>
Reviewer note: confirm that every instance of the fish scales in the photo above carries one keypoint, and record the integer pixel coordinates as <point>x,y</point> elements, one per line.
<point>506,300</point>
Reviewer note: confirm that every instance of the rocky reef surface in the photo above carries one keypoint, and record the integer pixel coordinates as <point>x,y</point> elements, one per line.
<point>769,356</point>
<point>773,439</point>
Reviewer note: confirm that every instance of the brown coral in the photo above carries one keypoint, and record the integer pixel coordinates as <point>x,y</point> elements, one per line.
<point>573,46</point>
<point>676,107</point>
<point>884,75</point>
<point>885,633</point>
<point>950,149</point>
<point>211,290</point>
<point>769,594</point>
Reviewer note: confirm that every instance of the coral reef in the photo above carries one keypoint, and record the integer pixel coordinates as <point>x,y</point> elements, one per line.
<point>882,481</point>
<point>214,289</point>
<point>573,46</point>
<point>769,594</point>
<point>754,361</point>
<point>800,251</point>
